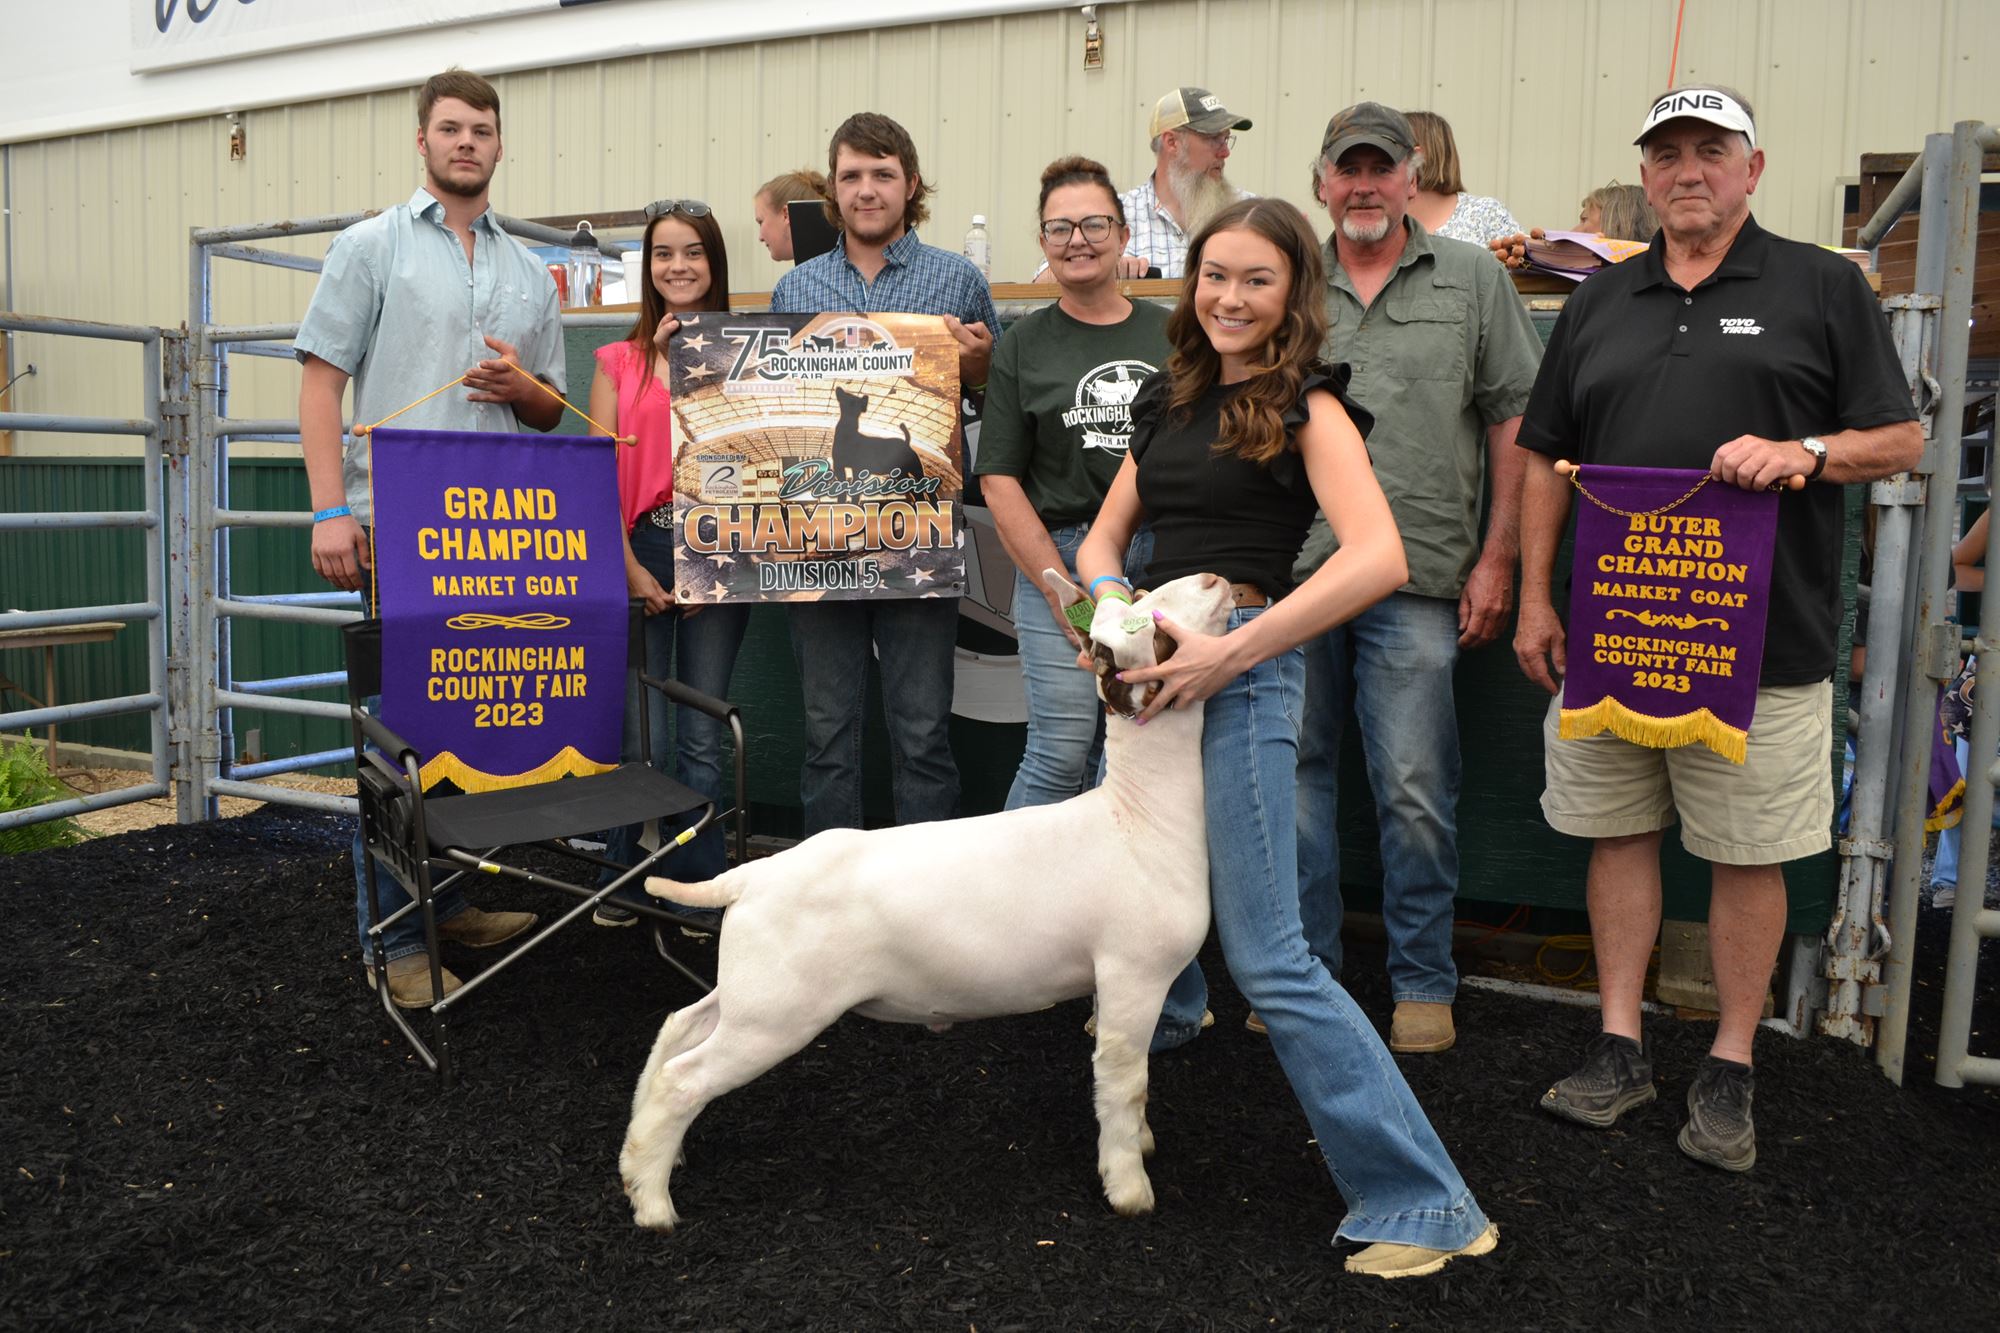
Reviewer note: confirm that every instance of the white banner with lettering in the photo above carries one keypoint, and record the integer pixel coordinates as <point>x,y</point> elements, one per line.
<point>173,34</point>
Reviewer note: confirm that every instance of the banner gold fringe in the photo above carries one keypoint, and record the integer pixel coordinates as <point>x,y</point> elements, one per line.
<point>1948,810</point>
<point>1660,733</point>
<point>566,763</point>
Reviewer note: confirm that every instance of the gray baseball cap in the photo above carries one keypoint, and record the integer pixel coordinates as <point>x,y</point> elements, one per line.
<point>1383,127</point>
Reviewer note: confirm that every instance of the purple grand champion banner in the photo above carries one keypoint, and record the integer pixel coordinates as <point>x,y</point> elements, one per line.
<point>501,577</point>
<point>1668,598</point>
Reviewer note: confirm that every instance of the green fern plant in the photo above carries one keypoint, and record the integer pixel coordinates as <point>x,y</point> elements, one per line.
<point>25,780</point>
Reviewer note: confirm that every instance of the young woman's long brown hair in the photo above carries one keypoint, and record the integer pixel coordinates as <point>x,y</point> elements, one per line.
<point>1253,425</point>
<point>653,306</point>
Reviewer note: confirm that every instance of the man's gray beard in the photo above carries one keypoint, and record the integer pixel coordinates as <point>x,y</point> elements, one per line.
<point>1364,235</point>
<point>1201,195</point>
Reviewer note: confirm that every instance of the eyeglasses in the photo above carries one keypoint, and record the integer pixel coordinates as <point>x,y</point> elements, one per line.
<point>1226,139</point>
<point>1096,227</point>
<point>694,208</point>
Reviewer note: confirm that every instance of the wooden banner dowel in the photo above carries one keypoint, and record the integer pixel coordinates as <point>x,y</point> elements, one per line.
<point>1564,467</point>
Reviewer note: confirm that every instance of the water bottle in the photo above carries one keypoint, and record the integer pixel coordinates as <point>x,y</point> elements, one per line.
<point>586,266</point>
<point>977,249</point>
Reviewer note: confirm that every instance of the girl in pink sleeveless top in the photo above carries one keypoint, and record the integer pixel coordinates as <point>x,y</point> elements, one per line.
<point>687,270</point>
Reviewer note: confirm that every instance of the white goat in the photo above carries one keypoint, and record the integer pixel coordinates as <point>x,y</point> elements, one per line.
<point>969,918</point>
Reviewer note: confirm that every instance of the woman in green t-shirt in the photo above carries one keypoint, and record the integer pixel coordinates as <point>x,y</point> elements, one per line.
<point>1055,428</point>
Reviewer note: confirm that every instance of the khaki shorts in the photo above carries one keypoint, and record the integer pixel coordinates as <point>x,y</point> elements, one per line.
<point>1776,806</point>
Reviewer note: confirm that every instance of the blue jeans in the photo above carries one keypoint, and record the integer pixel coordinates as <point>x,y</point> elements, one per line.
<point>1065,749</point>
<point>707,644</point>
<point>1388,1163</point>
<point>407,935</point>
<point>914,637</point>
<point>1393,662</point>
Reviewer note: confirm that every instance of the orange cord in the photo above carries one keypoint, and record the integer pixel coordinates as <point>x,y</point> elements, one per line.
<point>622,439</point>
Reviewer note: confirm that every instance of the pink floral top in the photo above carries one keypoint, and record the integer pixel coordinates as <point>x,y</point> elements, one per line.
<point>645,470</point>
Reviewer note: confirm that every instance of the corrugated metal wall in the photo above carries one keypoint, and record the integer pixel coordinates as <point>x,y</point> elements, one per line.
<point>1542,93</point>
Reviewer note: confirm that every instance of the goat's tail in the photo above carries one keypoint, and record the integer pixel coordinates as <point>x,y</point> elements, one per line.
<point>721,891</point>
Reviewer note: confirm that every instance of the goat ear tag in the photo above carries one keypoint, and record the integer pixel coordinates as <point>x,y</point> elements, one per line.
<point>1134,624</point>
<point>1079,615</point>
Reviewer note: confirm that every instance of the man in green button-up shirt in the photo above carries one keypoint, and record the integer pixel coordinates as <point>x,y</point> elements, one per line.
<point>1444,356</point>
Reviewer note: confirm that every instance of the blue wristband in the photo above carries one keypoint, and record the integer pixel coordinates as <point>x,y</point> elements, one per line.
<point>338,511</point>
<point>1114,578</point>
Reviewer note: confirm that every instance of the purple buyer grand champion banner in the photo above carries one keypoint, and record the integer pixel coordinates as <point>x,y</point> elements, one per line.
<point>501,574</point>
<point>1668,597</point>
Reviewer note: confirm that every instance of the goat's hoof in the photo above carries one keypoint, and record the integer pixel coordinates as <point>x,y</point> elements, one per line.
<point>655,1215</point>
<point>1129,1197</point>
<point>1145,1140</point>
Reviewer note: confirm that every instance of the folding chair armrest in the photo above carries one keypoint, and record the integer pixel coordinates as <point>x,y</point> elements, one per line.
<point>388,741</point>
<point>716,708</point>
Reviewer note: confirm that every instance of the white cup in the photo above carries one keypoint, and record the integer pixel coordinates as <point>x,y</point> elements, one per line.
<point>635,274</point>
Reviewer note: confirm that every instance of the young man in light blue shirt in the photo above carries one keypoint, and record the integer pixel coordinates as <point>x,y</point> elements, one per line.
<point>408,300</point>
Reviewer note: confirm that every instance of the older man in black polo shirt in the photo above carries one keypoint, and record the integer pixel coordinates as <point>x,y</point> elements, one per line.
<point>1761,359</point>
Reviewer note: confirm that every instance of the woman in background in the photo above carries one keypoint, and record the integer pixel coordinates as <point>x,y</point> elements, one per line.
<point>1045,460</point>
<point>1441,202</point>
<point>687,270</point>
<point>1619,212</point>
<point>772,206</point>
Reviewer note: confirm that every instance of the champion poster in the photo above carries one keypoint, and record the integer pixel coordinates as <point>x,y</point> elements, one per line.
<point>501,579</point>
<point>1668,599</point>
<point>816,457</point>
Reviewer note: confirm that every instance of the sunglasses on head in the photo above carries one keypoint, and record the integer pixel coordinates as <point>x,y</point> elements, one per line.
<point>694,208</point>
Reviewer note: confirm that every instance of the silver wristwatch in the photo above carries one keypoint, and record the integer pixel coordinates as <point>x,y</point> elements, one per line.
<point>1817,448</point>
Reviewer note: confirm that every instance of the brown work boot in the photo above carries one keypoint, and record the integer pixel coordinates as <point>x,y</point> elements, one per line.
<point>1385,1259</point>
<point>410,981</point>
<point>1421,1027</point>
<point>483,930</point>
<point>1252,1023</point>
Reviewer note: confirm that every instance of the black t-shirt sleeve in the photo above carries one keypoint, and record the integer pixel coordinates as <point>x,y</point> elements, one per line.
<point>1868,374</point>
<point>1288,468</point>
<point>1549,424</point>
<point>1149,409</point>
<point>1005,435</point>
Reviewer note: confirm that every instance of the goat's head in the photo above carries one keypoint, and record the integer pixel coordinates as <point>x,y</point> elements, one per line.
<point>1125,637</point>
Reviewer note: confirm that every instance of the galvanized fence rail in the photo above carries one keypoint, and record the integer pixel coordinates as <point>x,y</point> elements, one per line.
<point>162,371</point>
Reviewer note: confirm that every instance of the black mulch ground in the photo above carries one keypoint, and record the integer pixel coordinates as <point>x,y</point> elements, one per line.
<point>206,1126</point>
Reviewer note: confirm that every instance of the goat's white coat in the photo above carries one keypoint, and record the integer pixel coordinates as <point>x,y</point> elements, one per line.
<point>961,919</point>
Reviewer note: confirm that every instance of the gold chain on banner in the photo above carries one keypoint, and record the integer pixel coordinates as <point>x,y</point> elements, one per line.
<point>622,439</point>
<point>1576,480</point>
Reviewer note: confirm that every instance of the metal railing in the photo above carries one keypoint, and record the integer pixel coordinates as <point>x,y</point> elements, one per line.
<point>1909,605</point>
<point>162,370</point>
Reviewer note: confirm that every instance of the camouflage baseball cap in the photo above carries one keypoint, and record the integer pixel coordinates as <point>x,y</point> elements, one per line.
<point>1384,127</point>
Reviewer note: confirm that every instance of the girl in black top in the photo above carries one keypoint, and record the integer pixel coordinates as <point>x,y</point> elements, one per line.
<point>1233,447</point>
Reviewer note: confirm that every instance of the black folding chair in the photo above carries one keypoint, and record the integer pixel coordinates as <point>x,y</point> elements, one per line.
<point>430,843</point>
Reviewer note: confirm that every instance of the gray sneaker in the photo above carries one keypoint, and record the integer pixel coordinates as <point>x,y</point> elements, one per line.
<point>611,914</point>
<point>1719,1130</point>
<point>1616,1076</point>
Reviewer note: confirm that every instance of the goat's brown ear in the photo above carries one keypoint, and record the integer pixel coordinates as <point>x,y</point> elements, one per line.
<point>1164,645</point>
<point>1066,592</point>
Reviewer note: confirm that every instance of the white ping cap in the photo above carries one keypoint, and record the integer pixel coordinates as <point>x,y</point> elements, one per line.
<point>1711,105</point>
